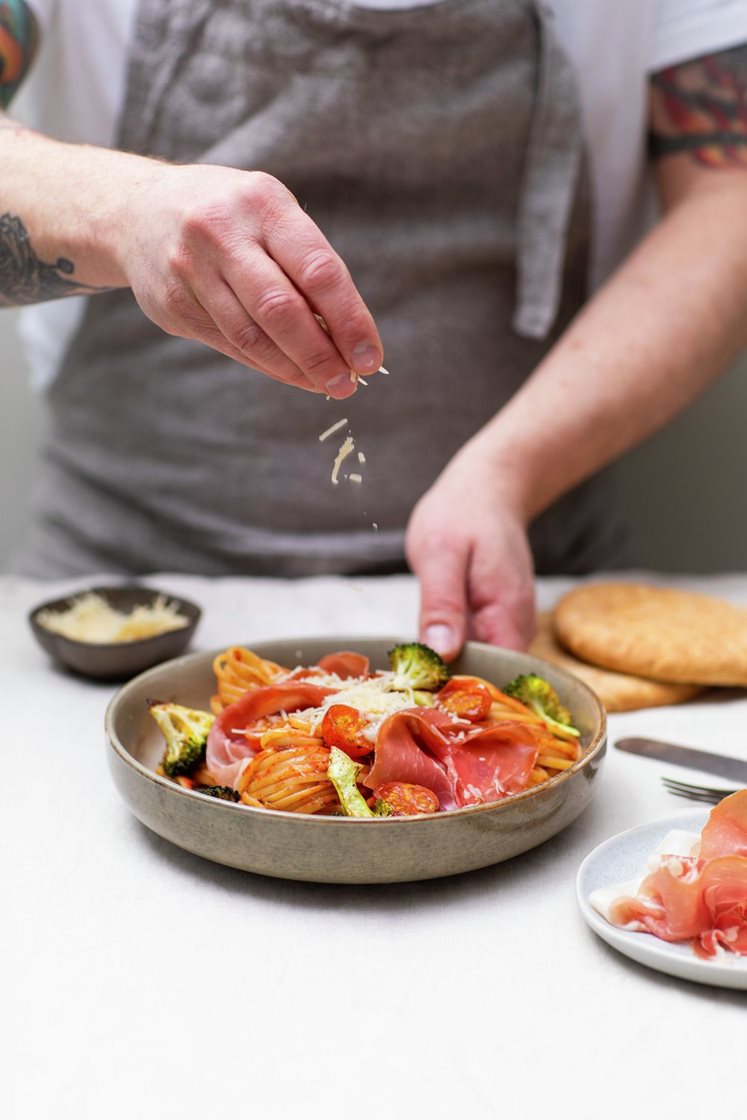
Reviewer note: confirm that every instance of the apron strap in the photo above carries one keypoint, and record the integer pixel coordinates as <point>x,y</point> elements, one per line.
<point>170,40</point>
<point>550,176</point>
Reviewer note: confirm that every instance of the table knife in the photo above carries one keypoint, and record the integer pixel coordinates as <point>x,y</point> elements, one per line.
<point>722,764</point>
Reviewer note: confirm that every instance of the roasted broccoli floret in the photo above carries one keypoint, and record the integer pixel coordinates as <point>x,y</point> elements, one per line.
<point>539,695</point>
<point>223,793</point>
<point>417,666</point>
<point>185,731</point>
<point>342,772</point>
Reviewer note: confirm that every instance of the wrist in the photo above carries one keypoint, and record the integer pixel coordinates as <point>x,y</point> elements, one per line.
<point>118,215</point>
<point>493,466</point>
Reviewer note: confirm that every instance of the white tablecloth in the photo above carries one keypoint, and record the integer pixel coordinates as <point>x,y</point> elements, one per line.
<point>141,981</point>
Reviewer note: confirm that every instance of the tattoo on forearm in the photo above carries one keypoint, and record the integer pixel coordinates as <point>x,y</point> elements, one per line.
<point>24,278</point>
<point>700,107</point>
<point>18,43</point>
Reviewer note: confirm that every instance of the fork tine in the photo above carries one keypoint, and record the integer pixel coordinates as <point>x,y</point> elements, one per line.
<point>705,794</point>
<point>704,798</point>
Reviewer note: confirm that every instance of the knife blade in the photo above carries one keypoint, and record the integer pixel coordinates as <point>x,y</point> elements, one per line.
<point>724,765</point>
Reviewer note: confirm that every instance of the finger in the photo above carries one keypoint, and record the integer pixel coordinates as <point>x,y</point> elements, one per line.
<point>498,625</point>
<point>323,279</point>
<point>264,316</point>
<point>247,338</point>
<point>503,614</point>
<point>441,568</point>
<point>194,321</point>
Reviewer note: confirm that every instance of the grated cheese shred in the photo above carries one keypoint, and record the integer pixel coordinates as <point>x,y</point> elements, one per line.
<point>346,449</point>
<point>335,428</point>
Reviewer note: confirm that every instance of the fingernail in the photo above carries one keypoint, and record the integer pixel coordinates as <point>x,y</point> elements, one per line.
<point>340,386</point>
<point>439,637</point>
<point>366,358</point>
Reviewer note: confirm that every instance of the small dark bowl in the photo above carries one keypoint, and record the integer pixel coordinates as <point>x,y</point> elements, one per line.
<point>116,661</point>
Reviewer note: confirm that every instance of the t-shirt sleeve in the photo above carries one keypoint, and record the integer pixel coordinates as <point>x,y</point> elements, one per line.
<point>43,10</point>
<point>684,29</point>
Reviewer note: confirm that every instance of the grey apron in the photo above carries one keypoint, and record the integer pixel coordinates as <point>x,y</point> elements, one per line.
<point>438,148</point>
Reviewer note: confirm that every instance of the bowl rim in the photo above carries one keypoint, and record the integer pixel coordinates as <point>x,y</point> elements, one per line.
<point>594,749</point>
<point>78,643</point>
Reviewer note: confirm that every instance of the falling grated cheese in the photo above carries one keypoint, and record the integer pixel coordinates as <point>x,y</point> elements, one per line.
<point>331,431</point>
<point>361,457</point>
<point>376,527</point>
<point>346,449</point>
<point>355,478</point>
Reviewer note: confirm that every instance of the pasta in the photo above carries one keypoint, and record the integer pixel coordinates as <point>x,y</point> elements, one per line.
<point>238,670</point>
<point>400,744</point>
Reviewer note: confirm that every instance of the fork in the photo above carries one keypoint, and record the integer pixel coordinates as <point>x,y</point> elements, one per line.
<point>707,794</point>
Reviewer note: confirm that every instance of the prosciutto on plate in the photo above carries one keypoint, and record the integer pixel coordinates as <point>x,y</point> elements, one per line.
<point>228,746</point>
<point>461,763</point>
<point>700,898</point>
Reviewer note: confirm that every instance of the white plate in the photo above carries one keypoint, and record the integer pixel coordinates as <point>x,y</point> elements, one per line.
<point>622,858</point>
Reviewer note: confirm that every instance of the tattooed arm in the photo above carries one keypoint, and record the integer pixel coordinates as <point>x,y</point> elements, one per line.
<point>24,277</point>
<point>222,256</point>
<point>18,42</point>
<point>699,114</point>
<point>662,328</point>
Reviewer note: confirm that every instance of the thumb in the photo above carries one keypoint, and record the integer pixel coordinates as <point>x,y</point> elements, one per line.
<point>443,597</point>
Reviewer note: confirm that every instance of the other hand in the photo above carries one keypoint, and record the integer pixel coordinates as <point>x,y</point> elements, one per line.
<point>229,258</point>
<point>467,544</point>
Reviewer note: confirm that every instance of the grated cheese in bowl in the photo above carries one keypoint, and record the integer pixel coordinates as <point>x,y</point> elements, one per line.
<point>89,618</point>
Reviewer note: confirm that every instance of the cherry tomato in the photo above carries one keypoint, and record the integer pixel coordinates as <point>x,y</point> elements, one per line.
<point>468,700</point>
<point>344,727</point>
<point>405,800</point>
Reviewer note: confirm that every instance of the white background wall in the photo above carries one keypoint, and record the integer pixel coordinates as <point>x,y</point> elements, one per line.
<point>684,489</point>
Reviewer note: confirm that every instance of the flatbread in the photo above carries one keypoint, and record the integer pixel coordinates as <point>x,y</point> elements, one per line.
<point>619,692</point>
<point>656,632</point>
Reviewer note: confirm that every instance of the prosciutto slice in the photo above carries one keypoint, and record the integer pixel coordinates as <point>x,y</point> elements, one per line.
<point>345,664</point>
<point>228,749</point>
<point>726,829</point>
<point>492,763</point>
<point>463,765</point>
<point>701,898</point>
<point>408,747</point>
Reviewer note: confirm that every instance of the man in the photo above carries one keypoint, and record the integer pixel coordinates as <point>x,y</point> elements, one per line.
<point>437,150</point>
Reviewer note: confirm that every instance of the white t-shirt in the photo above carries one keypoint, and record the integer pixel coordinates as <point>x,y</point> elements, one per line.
<point>77,89</point>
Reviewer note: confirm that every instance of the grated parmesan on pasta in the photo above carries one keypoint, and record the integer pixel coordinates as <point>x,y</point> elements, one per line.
<point>374,698</point>
<point>89,618</point>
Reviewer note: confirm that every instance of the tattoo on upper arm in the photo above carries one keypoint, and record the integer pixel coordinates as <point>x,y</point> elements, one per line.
<point>24,278</point>
<point>700,107</point>
<point>18,43</point>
